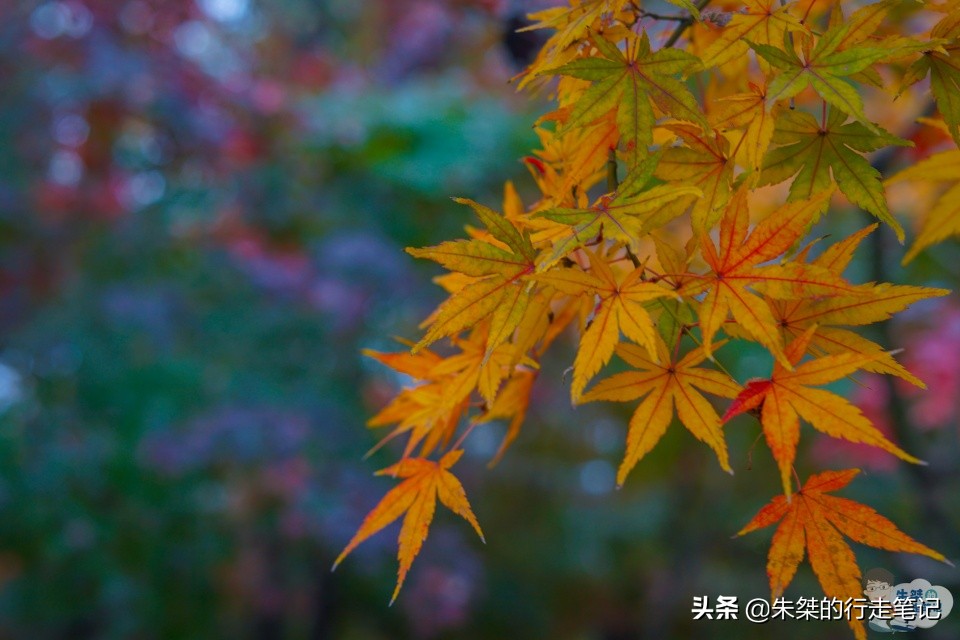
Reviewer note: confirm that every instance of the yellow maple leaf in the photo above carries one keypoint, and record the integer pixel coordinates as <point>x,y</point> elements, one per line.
<point>943,220</point>
<point>499,293</point>
<point>666,385</point>
<point>425,481</point>
<point>620,309</point>
<point>748,116</point>
<point>760,22</point>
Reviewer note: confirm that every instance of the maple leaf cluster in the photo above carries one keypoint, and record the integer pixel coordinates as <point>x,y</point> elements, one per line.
<point>664,267</point>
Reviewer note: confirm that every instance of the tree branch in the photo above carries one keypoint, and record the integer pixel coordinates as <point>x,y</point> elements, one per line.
<point>687,22</point>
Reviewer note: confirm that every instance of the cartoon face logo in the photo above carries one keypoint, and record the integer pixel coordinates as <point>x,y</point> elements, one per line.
<point>878,584</point>
<point>917,604</point>
<point>878,587</point>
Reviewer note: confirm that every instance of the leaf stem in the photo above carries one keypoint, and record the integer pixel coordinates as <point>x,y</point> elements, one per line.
<point>463,436</point>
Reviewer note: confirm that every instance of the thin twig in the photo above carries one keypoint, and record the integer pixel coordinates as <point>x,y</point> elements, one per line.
<point>657,16</point>
<point>687,22</point>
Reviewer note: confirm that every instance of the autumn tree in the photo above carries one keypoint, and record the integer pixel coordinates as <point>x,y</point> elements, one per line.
<point>681,174</point>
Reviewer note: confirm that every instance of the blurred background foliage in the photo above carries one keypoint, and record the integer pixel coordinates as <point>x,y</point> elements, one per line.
<point>203,207</point>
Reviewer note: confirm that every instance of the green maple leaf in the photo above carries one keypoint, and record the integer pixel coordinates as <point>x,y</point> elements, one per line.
<point>813,152</point>
<point>823,68</point>
<point>943,65</point>
<point>629,82</point>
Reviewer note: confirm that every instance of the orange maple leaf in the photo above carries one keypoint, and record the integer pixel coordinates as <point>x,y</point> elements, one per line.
<point>620,309</point>
<point>737,265</point>
<point>878,302</point>
<point>666,385</point>
<point>817,522</point>
<point>428,411</point>
<point>787,396</point>
<point>431,409</point>
<point>425,482</point>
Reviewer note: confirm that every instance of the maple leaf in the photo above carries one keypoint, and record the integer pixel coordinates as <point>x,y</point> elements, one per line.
<point>760,22</point>
<point>620,309</point>
<point>425,412</point>
<point>703,161</point>
<point>788,395</point>
<point>822,68</point>
<point>876,303</point>
<point>812,152</point>
<point>472,368</point>
<point>749,112</point>
<point>623,215</point>
<point>571,24</point>
<point>675,313</point>
<point>943,220</point>
<point>511,403</point>
<point>499,293</point>
<point>864,25</point>
<point>736,265</point>
<point>589,149</point>
<point>628,83</point>
<point>431,409</point>
<point>425,481</point>
<point>815,522</point>
<point>666,386</point>
<point>942,63</point>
